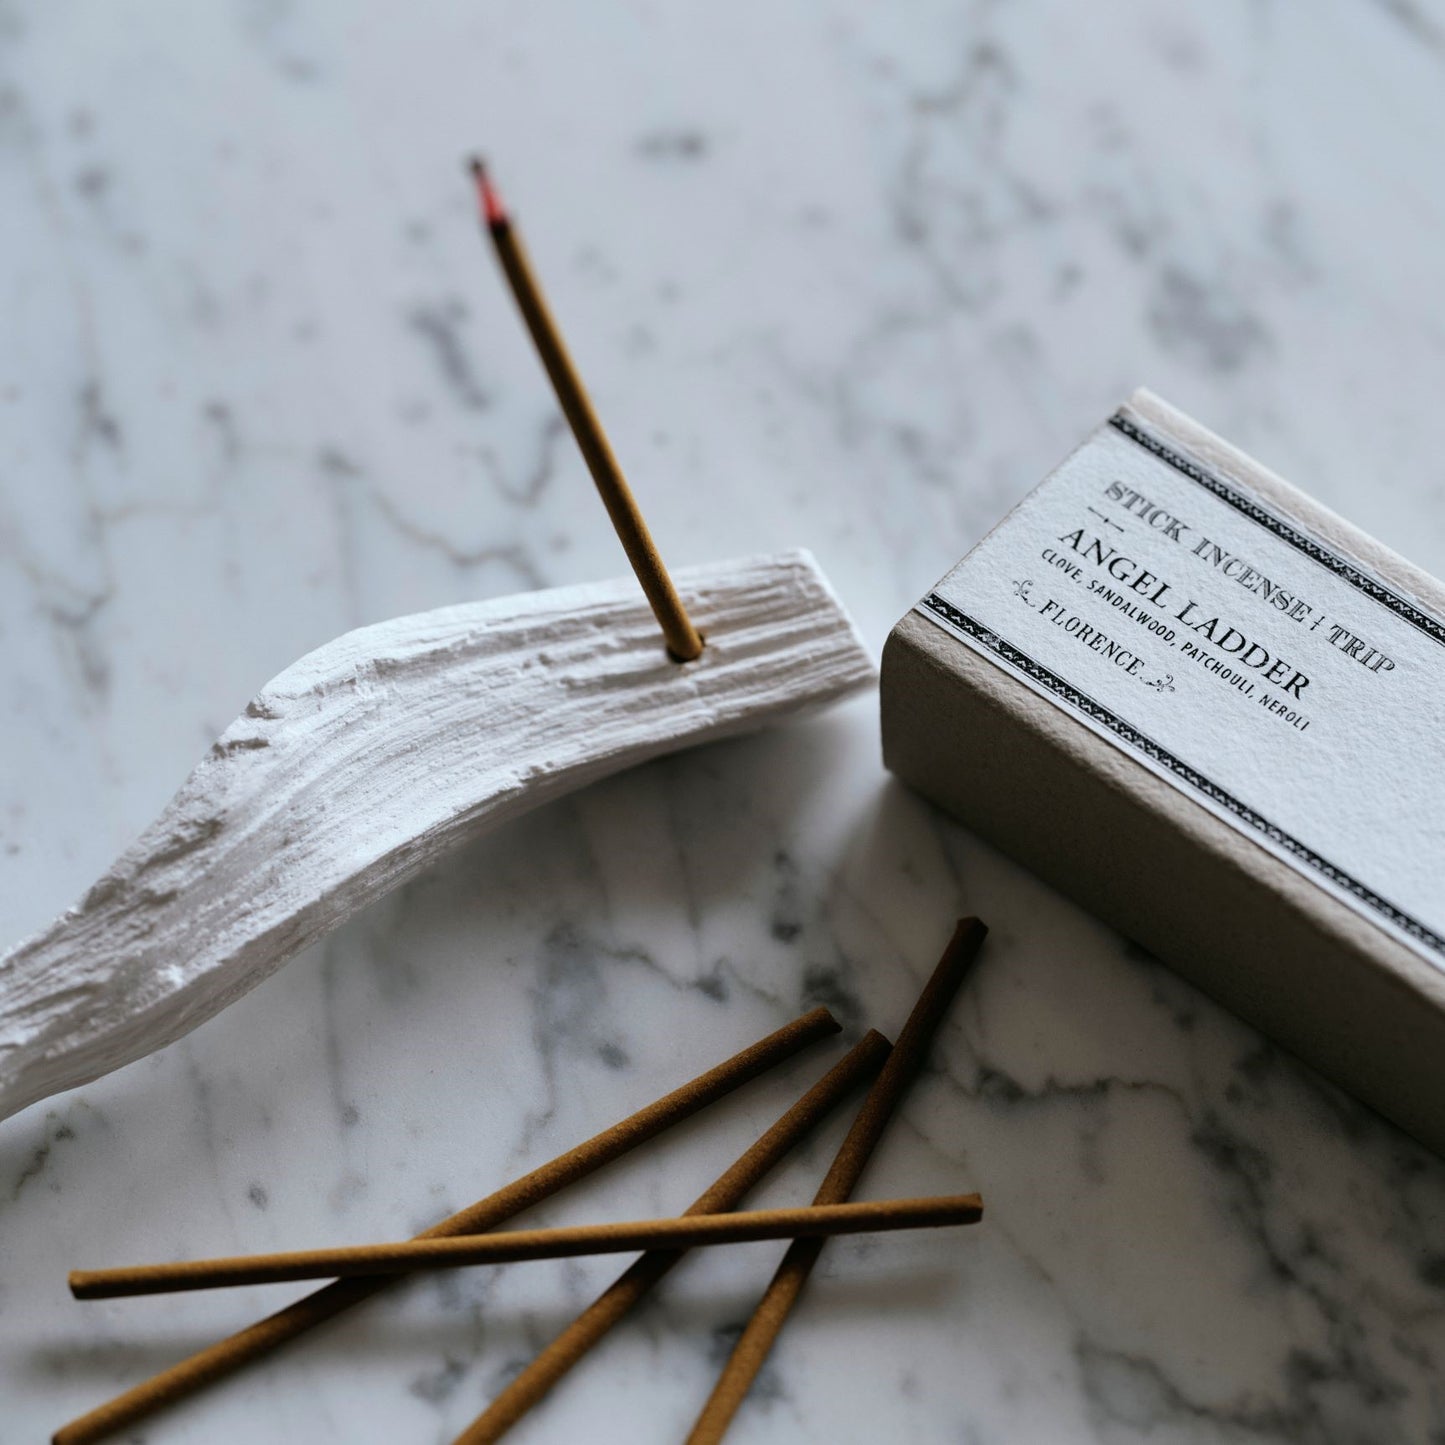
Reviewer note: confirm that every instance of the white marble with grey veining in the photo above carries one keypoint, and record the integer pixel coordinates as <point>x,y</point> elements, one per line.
<point>845,275</point>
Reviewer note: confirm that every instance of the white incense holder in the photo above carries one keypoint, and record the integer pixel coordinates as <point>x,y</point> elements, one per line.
<point>372,756</point>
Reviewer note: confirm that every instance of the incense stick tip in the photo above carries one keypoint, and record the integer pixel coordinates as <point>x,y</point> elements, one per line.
<point>494,212</point>
<point>970,928</point>
<point>823,1018</point>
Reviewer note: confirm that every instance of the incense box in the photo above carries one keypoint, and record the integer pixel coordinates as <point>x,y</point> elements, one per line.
<point>1213,712</point>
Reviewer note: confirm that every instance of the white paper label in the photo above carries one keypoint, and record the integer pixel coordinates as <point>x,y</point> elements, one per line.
<point>1266,676</point>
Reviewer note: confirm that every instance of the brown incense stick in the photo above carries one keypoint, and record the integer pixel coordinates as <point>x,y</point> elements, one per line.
<point>725,1193</point>
<point>682,637</point>
<point>516,1245</point>
<point>787,1283</point>
<point>228,1355</point>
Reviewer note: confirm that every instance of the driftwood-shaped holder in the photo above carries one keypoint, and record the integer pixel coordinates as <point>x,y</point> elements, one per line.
<point>374,755</point>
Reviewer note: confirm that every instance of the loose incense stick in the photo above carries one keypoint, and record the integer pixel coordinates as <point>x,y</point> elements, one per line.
<point>516,1245</point>
<point>228,1355</point>
<point>682,637</point>
<point>726,1192</point>
<point>787,1283</point>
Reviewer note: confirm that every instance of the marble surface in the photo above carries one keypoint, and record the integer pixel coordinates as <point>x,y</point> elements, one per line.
<point>837,275</point>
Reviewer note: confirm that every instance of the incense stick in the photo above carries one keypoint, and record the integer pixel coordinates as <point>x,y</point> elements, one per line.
<point>787,1283</point>
<point>517,1245</point>
<point>683,641</point>
<point>725,1193</point>
<point>228,1355</point>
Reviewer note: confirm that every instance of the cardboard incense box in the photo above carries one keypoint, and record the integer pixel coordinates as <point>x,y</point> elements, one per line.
<point>1213,712</point>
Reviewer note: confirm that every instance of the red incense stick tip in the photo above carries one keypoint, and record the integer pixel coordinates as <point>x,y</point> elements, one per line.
<point>494,213</point>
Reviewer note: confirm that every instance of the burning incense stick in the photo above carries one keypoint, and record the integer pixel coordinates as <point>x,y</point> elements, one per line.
<point>516,1245</point>
<point>614,1303</point>
<point>228,1355</point>
<point>787,1283</point>
<point>682,637</point>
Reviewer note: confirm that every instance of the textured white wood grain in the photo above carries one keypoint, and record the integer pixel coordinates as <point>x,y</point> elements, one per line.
<point>375,754</point>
